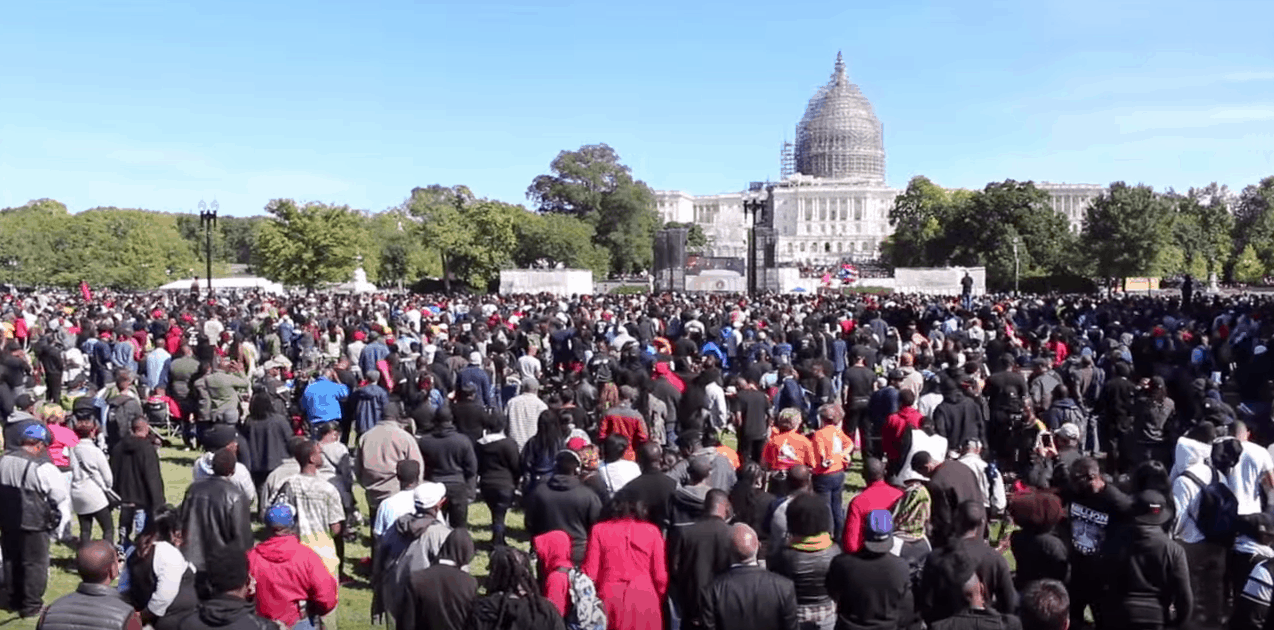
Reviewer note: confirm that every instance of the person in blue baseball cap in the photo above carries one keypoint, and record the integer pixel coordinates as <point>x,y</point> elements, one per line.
<point>871,587</point>
<point>31,488</point>
<point>287,571</point>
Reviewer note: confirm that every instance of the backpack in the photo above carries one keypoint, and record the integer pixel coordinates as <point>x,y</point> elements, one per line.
<point>586,611</point>
<point>1218,515</point>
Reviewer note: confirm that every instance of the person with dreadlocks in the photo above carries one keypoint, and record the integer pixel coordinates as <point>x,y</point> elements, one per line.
<point>514,602</point>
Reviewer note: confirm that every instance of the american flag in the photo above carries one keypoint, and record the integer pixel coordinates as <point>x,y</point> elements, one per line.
<point>848,273</point>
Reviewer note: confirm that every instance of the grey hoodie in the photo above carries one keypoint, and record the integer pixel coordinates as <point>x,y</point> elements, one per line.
<point>687,505</point>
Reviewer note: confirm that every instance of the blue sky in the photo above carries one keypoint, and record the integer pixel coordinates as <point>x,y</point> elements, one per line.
<point>158,104</point>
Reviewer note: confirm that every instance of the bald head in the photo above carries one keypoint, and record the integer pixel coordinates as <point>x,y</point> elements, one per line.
<point>744,543</point>
<point>97,562</point>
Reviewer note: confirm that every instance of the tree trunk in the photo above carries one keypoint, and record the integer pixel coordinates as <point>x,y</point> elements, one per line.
<point>446,273</point>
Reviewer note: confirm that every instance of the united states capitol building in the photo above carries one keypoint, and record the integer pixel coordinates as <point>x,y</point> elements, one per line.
<point>832,202</point>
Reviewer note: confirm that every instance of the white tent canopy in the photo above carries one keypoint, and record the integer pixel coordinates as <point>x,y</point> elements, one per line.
<point>225,283</point>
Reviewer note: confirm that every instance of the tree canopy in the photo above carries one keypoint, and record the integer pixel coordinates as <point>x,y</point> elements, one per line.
<point>1127,232</point>
<point>311,244</point>
<point>592,184</point>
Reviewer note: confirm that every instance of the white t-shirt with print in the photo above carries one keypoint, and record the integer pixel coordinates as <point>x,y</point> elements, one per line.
<point>1245,478</point>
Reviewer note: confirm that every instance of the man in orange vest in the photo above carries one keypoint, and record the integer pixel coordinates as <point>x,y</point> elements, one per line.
<point>787,448</point>
<point>833,450</point>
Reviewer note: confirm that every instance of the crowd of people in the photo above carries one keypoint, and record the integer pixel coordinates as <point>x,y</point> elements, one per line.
<point>680,461</point>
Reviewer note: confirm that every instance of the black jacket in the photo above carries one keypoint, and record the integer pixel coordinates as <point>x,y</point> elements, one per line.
<point>499,465</point>
<point>807,570</point>
<point>468,416</point>
<point>135,466</point>
<point>214,514</point>
<point>226,613</point>
<point>564,503</point>
<point>750,598</point>
<point>653,489</point>
<point>994,572</point>
<point>952,483</point>
<point>871,591</point>
<point>1039,555</point>
<point>1005,392</point>
<point>267,442</point>
<point>449,456</point>
<point>959,419</point>
<point>89,606</point>
<point>1148,578</point>
<point>696,556</point>
<point>980,619</point>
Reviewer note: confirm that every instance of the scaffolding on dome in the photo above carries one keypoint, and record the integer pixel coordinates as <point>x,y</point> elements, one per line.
<point>840,137</point>
<point>787,160</point>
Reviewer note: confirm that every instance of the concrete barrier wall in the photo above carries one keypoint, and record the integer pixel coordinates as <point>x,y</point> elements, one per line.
<point>938,281</point>
<point>555,281</point>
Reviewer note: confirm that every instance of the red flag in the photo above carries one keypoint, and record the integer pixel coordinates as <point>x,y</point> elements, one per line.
<point>84,291</point>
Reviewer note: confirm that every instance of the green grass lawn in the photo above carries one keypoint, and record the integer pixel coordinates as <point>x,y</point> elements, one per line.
<point>356,598</point>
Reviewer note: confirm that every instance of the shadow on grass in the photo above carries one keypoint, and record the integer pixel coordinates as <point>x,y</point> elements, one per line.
<point>176,458</point>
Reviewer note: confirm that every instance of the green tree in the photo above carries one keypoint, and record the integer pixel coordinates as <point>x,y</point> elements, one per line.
<point>549,239</point>
<point>309,245</point>
<point>1201,231</point>
<point>696,240</point>
<point>593,185</point>
<point>1126,232</point>
<point>919,217</point>
<point>238,235</point>
<point>401,257</point>
<point>474,237</point>
<point>985,230</point>
<point>1248,267</point>
<point>28,234</point>
<point>1254,221</point>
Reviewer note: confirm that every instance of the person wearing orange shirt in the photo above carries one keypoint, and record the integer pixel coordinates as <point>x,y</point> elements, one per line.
<point>833,450</point>
<point>787,448</point>
<point>712,439</point>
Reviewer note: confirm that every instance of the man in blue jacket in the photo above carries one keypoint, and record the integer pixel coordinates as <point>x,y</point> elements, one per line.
<point>321,401</point>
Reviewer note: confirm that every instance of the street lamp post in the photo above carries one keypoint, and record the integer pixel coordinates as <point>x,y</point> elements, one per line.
<point>1017,267</point>
<point>208,219</point>
<point>751,207</point>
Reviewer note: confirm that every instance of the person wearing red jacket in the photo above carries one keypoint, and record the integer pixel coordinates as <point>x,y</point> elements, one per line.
<point>626,421</point>
<point>897,426</point>
<point>292,582</point>
<point>878,495</point>
<point>554,552</point>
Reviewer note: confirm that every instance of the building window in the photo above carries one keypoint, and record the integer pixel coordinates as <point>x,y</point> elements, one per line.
<point>802,248</point>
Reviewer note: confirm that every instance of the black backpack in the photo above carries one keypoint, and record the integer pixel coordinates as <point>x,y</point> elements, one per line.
<point>1218,514</point>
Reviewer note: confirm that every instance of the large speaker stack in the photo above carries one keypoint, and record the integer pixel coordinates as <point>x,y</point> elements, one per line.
<point>670,260</point>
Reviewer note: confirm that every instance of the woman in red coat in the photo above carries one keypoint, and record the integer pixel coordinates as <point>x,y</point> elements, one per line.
<point>627,562</point>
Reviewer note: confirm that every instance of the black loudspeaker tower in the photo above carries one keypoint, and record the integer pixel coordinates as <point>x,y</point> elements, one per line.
<point>670,260</point>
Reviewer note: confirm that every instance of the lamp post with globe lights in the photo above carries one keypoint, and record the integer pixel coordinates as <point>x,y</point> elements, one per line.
<point>208,219</point>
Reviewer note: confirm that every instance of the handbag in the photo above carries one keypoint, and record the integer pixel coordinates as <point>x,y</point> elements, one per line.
<point>113,500</point>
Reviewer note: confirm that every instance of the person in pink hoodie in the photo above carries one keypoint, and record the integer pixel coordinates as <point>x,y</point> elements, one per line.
<point>554,551</point>
<point>288,572</point>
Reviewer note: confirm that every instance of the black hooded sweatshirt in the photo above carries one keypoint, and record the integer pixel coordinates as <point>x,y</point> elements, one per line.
<point>135,466</point>
<point>564,503</point>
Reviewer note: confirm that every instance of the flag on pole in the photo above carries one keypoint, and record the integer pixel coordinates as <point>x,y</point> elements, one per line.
<point>848,273</point>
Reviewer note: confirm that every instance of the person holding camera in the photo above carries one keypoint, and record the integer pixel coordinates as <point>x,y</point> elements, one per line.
<point>31,489</point>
